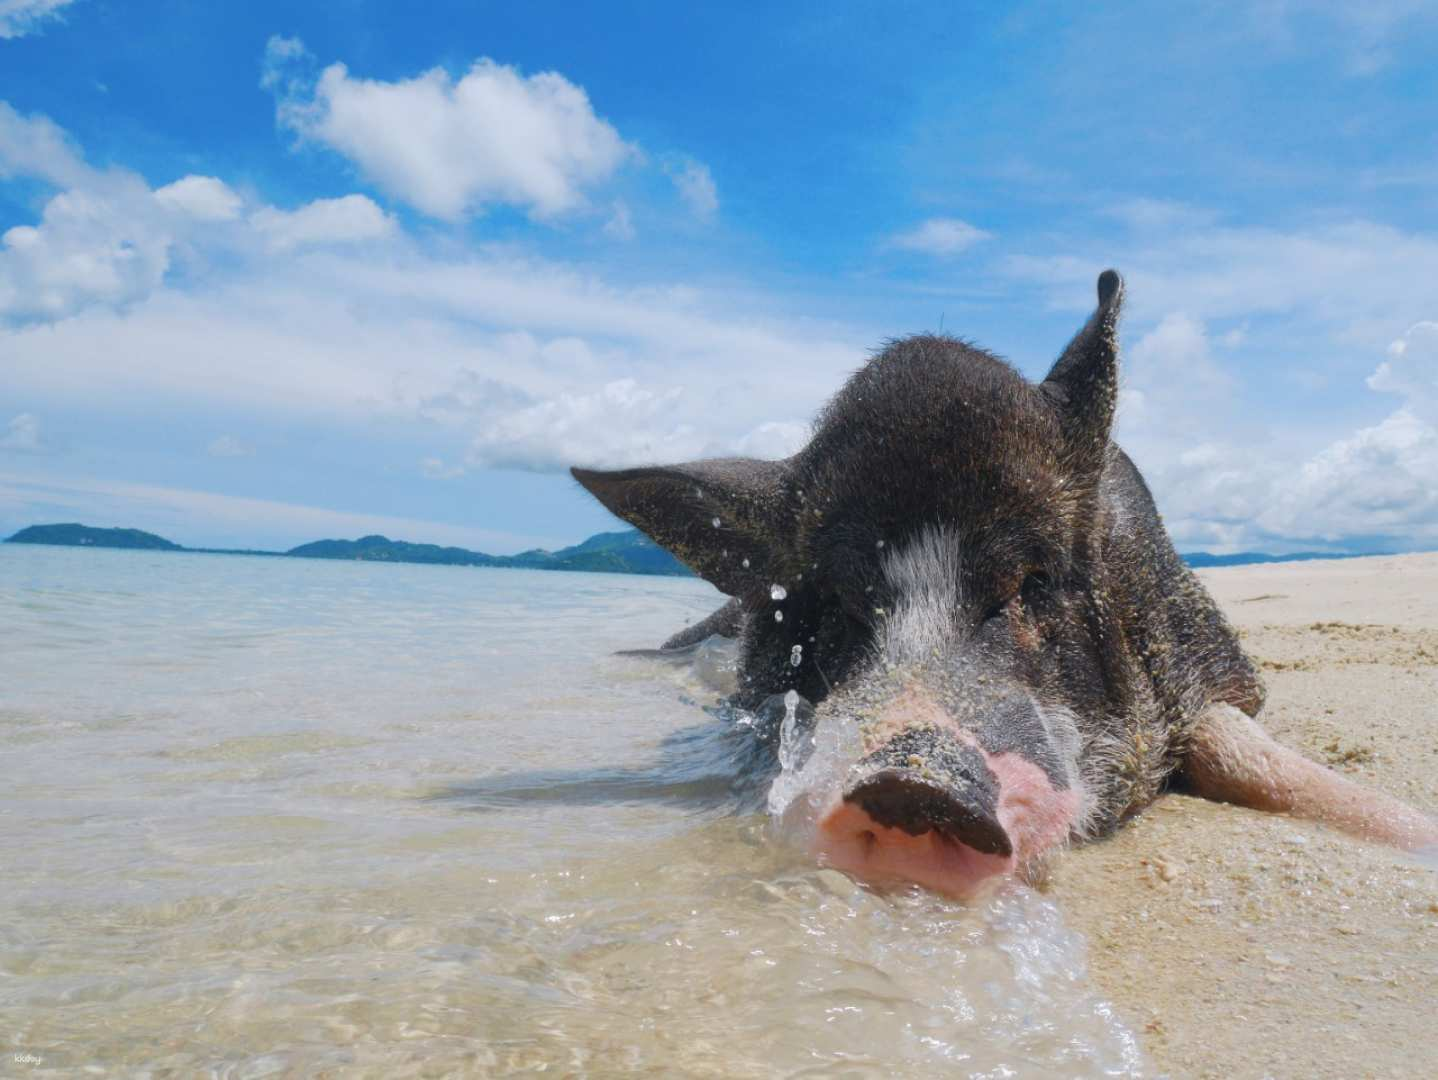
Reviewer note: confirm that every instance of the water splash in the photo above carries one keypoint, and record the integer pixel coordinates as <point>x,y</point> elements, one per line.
<point>813,760</point>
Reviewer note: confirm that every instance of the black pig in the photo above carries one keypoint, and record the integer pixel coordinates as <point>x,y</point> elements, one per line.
<point>965,565</point>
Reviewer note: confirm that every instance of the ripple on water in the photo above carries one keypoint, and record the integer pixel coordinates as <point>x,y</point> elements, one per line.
<point>286,817</point>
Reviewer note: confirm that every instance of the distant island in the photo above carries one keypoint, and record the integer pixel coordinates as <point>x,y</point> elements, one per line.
<point>627,552</point>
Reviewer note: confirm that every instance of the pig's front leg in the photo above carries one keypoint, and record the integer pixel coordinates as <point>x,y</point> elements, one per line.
<point>1232,759</point>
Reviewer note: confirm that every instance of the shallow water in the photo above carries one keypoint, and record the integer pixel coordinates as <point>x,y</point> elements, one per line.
<point>273,816</point>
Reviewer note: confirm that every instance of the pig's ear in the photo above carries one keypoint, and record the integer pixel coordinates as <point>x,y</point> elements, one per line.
<point>720,518</point>
<point>1084,381</point>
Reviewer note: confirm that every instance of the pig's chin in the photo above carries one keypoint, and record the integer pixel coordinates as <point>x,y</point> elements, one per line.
<point>1034,816</point>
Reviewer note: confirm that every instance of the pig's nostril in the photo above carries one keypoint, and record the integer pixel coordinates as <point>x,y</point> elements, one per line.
<point>905,799</point>
<point>868,839</point>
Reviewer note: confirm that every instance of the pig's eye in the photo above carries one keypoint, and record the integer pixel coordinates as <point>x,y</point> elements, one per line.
<point>1034,587</point>
<point>1031,590</point>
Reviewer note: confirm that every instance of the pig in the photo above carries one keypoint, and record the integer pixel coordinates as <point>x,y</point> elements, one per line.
<point>964,565</point>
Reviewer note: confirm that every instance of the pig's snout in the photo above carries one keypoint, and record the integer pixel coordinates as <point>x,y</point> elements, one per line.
<point>922,781</point>
<point>931,806</point>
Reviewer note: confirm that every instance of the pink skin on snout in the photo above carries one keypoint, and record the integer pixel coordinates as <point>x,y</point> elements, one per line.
<point>1035,815</point>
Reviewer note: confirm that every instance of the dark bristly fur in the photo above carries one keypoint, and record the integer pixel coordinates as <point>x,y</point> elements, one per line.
<point>1071,596</point>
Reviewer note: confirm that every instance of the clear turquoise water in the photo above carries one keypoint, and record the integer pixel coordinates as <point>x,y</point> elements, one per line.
<point>271,817</point>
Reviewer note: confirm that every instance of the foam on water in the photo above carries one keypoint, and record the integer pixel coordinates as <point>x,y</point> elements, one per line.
<point>283,816</point>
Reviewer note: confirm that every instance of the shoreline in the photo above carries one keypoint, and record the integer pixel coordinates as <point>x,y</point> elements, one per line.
<point>1245,944</point>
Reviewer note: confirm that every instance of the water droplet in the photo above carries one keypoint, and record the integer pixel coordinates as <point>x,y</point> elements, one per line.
<point>778,616</point>
<point>777,592</point>
<point>791,736</point>
<point>746,564</point>
<point>796,656</point>
<point>715,523</point>
<point>879,544</point>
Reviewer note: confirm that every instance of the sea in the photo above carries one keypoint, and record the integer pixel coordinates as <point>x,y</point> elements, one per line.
<point>285,817</point>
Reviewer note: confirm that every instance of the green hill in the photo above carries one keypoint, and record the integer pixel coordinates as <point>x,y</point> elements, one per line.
<point>626,552</point>
<point>73,535</point>
<point>609,553</point>
<point>382,549</point>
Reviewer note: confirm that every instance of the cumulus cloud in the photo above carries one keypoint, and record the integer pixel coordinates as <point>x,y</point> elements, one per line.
<point>940,236</point>
<point>102,245</point>
<point>1381,483</point>
<point>203,198</point>
<point>1224,486</point>
<point>22,434</point>
<point>620,423</point>
<point>1172,385</point>
<point>107,239</point>
<point>695,184</point>
<point>450,147</point>
<point>21,17</point>
<point>352,219</point>
<point>36,146</point>
<point>499,359</point>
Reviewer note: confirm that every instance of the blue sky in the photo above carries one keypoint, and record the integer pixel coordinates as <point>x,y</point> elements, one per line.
<point>273,272</point>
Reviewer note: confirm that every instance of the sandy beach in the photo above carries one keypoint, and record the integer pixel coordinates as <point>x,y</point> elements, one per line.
<point>1249,945</point>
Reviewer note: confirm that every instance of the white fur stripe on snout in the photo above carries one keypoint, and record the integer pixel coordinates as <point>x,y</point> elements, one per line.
<point>923,624</point>
<point>923,582</point>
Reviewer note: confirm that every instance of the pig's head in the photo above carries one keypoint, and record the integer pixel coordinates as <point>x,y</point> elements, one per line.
<point>930,569</point>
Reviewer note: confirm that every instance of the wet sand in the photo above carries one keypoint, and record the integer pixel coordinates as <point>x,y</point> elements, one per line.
<point>1242,944</point>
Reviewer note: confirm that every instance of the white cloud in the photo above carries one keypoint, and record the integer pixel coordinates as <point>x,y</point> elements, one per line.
<point>22,434</point>
<point>1358,281</point>
<point>21,17</point>
<point>202,198</point>
<point>227,446</point>
<point>452,147</point>
<point>1412,367</point>
<point>106,239</point>
<point>98,245</point>
<point>940,236</point>
<point>1381,482</point>
<point>1221,491</point>
<point>620,423</point>
<point>774,439</point>
<point>1173,390</point>
<point>36,146</point>
<point>695,184</point>
<point>516,356</point>
<point>349,220</point>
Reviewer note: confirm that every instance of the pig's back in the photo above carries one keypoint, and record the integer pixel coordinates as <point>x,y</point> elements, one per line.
<point>1174,629</point>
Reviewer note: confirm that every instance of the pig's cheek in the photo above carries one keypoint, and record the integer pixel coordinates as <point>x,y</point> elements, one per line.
<point>1034,813</point>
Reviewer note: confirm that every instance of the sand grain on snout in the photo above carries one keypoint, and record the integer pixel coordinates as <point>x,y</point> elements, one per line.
<point>1244,944</point>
